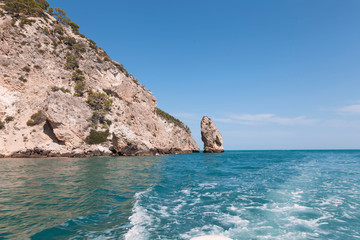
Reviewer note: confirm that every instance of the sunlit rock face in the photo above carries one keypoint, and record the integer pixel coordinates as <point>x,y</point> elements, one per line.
<point>61,95</point>
<point>211,137</point>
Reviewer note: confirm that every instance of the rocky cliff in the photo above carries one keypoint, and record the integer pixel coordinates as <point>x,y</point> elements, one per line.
<point>211,137</point>
<point>61,95</point>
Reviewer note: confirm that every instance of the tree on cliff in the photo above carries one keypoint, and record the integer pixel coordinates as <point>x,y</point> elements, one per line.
<point>43,4</point>
<point>61,16</point>
<point>34,8</point>
<point>37,8</point>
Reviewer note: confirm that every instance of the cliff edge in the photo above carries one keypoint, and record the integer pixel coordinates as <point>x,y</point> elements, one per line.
<point>62,95</point>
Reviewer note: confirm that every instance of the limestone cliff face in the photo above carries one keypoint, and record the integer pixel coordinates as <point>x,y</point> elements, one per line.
<point>61,95</point>
<point>211,137</point>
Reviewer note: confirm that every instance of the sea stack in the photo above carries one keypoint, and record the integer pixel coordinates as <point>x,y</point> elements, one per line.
<point>211,137</point>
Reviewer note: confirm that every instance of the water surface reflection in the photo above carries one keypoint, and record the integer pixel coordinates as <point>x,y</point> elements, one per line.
<point>39,196</point>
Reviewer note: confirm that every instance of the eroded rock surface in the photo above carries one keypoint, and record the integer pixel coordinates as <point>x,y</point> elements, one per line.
<point>68,118</point>
<point>211,137</point>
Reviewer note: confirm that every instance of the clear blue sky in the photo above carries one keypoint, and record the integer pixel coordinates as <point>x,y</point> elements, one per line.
<point>272,74</point>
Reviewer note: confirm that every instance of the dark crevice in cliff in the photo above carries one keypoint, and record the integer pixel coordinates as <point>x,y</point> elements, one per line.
<point>48,130</point>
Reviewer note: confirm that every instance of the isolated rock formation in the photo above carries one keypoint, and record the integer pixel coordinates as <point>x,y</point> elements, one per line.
<point>62,95</point>
<point>211,136</point>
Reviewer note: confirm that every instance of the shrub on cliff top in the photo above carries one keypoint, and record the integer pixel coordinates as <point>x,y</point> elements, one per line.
<point>43,4</point>
<point>93,45</point>
<point>164,115</point>
<point>97,137</point>
<point>60,15</point>
<point>2,125</point>
<point>34,8</point>
<point>121,68</point>
<point>74,27</point>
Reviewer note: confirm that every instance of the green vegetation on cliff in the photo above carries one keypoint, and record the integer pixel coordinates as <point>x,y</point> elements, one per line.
<point>164,115</point>
<point>97,137</point>
<point>64,90</point>
<point>37,8</point>
<point>36,118</point>
<point>9,119</point>
<point>99,101</point>
<point>101,104</point>
<point>60,42</point>
<point>80,86</point>
<point>20,9</point>
<point>111,93</point>
<point>32,8</point>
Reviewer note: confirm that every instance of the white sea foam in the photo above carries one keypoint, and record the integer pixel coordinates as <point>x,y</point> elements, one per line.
<point>233,220</point>
<point>297,194</point>
<point>195,201</point>
<point>208,185</point>
<point>201,231</point>
<point>163,211</point>
<point>139,220</point>
<point>211,237</point>
<point>289,210</point>
<point>292,208</point>
<point>313,223</point>
<point>186,192</point>
<point>180,203</point>
<point>333,200</point>
<point>233,208</point>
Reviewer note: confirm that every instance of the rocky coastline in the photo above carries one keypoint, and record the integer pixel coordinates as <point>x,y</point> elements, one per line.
<point>40,153</point>
<point>62,96</point>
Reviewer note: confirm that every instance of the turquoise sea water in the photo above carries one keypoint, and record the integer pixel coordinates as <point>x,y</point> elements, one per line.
<point>238,194</point>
